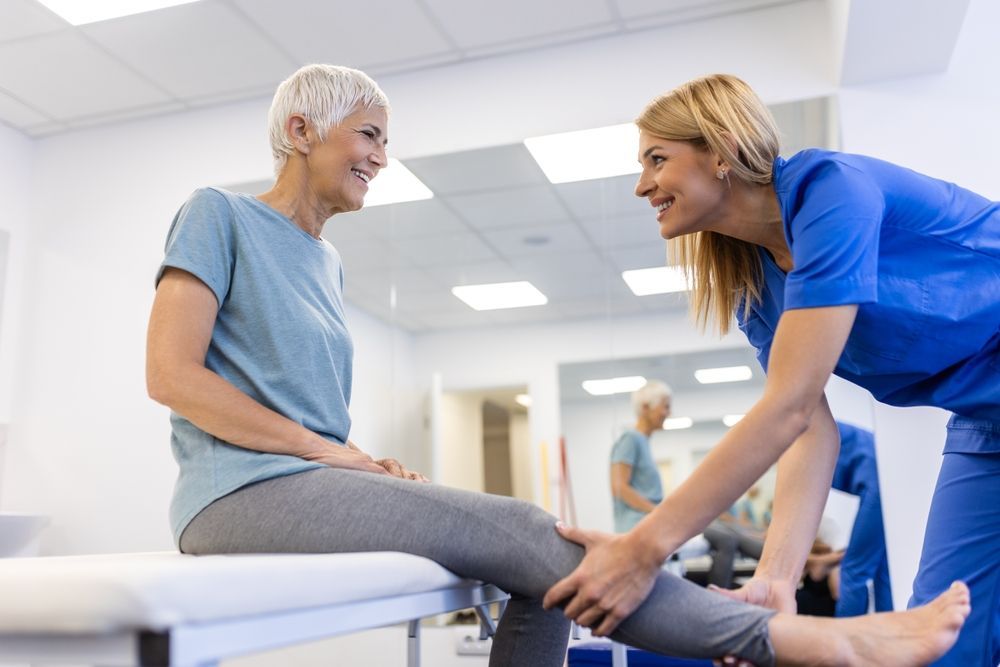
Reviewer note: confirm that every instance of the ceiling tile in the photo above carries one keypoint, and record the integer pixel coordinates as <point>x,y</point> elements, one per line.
<point>618,232</point>
<point>606,197</point>
<point>592,308</point>
<point>19,115</point>
<point>44,129</point>
<point>516,207</point>
<point>639,257</point>
<point>483,169</point>
<point>125,115</point>
<point>405,281</point>
<point>544,240</point>
<point>347,33</point>
<point>202,48</point>
<point>637,8</point>
<point>480,273</point>
<point>406,220</point>
<point>428,251</point>
<point>26,18</point>
<point>478,24</point>
<point>363,254</point>
<point>544,40</point>
<point>661,303</point>
<point>70,77</point>
<point>576,275</point>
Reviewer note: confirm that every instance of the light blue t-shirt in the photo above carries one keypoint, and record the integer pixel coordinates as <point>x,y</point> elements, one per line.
<point>920,257</point>
<point>633,449</point>
<point>280,337</point>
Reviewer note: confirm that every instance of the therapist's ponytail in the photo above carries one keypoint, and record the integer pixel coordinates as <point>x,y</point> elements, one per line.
<point>720,113</point>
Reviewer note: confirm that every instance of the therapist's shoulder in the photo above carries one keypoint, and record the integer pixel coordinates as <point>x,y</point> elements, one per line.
<point>818,164</point>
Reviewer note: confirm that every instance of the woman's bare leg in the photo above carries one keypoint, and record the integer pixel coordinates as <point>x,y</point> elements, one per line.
<point>900,639</point>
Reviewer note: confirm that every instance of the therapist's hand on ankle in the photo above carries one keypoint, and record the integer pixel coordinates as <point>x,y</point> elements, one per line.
<point>613,579</point>
<point>771,593</point>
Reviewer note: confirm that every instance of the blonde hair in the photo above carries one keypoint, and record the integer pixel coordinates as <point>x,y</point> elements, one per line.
<point>325,95</point>
<point>722,114</point>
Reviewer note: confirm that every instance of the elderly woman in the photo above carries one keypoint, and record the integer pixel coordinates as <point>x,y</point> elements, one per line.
<point>249,348</point>
<point>832,263</point>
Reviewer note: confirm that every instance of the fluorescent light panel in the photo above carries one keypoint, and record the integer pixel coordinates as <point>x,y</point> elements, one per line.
<point>731,420</point>
<point>725,374</point>
<point>608,386</point>
<point>79,12</point>
<point>656,280</point>
<point>495,296</point>
<point>395,184</point>
<point>677,423</point>
<point>587,154</point>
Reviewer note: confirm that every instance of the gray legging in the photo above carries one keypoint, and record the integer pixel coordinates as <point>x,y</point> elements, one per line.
<point>504,541</point>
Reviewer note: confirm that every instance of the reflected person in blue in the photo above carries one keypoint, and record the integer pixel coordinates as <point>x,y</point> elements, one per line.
<point>865,558</point>
<point>831,263</point>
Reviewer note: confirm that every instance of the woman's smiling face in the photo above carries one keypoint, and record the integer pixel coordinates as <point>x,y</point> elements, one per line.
<point>341,167</point>
<point>681,182</point>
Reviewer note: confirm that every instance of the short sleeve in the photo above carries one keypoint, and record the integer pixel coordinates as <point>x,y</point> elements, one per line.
<point>834,237</point>
<point>201,241</point>
<point>626,450</point>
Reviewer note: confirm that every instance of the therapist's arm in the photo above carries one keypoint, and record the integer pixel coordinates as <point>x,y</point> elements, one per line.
<point>180,329</point>
<point>617,573</point>
<point>621,473</point>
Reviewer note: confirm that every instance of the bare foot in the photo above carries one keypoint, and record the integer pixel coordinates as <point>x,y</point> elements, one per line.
<point>915,637</point>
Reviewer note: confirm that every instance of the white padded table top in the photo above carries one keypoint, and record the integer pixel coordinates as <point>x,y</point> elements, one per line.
<point>105,593</point>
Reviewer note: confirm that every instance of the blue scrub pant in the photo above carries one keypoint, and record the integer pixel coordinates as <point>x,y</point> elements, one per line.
<point>962,541</point>
<point>865,560</point>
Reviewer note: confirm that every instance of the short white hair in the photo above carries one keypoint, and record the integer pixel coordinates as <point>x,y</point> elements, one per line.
<point>649,394</point>
<point>325,95</point>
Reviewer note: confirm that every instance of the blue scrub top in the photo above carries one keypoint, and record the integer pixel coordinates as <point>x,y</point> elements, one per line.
<point>920,257</point>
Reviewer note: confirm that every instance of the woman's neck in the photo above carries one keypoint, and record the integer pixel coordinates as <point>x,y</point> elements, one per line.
<point>755,217</point>
<point>292,197</point>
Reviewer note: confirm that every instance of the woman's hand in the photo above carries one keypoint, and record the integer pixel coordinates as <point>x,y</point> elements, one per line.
<point>613,579</point>
<point>770,593</point>
<point>350,458</point>
<point>392,466</point>
<point>396,469</point>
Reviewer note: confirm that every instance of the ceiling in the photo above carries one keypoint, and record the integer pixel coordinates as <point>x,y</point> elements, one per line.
<point>213,52</point>
<point>496,218</point>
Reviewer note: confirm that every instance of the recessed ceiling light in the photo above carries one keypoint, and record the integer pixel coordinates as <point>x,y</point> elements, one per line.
<point>657,280</point>
<point>79,12</point>
<point>608,386</point>
<point>730,420</point>
<point>395,184</point>
<point>524,400</point>
<point>677,423</point>
<point>580,156</point>
<point>726,374</point>
<point>495,296</point>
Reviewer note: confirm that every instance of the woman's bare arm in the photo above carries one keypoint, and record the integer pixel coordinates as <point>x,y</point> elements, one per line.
<point>180,328</point>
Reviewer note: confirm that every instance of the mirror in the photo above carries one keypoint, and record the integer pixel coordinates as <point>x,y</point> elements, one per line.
<point>495,217</point>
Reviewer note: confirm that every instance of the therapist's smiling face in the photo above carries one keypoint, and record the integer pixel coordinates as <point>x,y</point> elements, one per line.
<point>679,180</point>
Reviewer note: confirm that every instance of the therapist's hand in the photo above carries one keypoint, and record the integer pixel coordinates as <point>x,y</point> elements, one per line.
<point>763,592</point>
<point>613,579</point>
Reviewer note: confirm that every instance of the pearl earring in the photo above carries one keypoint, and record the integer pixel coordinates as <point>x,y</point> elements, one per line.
<point>721,174</point>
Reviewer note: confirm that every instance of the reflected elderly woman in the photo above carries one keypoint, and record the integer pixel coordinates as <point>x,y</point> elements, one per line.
<point>249,347</point>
